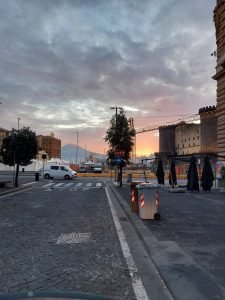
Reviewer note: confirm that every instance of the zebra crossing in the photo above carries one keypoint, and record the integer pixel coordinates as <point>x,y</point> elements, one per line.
<point>71,185</point>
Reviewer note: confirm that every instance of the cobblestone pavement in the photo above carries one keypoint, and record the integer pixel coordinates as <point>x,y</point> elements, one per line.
<point>196,223</point>
<point>61,240</point>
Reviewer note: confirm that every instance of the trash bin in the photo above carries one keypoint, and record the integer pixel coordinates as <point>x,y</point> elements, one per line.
<point>129,178</point>
<point>148,201</point>
<point>36,176</point>
<point>134,195</point>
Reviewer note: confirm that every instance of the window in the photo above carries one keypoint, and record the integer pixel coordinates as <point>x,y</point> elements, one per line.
<point>193,138</point>
<point>198,137</point>
<point>62,169</point>
<point>54,167</point>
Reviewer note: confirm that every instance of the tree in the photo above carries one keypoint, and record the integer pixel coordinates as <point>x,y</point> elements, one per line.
<point>120,139</point>
<point>18,148</point>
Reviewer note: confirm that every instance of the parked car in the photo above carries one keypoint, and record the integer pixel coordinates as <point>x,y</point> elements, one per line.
<point>59,172</point>
<point>82,169</point>
<point>97,169</point>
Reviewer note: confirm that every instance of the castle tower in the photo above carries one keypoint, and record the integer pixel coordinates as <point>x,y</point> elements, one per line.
<point>219,19</point>
<point>208,132</point>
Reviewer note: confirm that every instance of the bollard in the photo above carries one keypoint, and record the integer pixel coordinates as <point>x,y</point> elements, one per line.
<point>129,178</point>
<point>36,176</point>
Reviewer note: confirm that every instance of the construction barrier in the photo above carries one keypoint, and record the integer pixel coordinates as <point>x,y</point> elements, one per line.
<point>134,196</point>
<point>148,201</point>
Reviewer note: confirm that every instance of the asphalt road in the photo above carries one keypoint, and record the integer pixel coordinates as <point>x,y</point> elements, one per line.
<point>60,235</point>
<point>187,244</point>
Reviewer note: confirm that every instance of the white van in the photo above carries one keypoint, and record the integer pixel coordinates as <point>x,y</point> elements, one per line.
<point>59,172</point>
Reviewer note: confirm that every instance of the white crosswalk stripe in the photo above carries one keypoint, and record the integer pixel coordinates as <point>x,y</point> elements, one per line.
<point>47,185</point>
<point>58,185</point>
<point>71,185</point>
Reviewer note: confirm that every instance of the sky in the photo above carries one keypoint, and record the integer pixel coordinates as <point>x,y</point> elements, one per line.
<point>65,63</point>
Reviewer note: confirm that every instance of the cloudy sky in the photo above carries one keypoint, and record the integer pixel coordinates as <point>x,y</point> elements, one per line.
<point>64,63</point>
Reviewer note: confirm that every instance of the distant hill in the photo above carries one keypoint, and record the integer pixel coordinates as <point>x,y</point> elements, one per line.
<point>68,152</point>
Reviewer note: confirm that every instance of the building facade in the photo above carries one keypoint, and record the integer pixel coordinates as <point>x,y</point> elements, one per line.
<point>50,144</point>
<point>167,140</point>
<point>219,19</point>
<point>187,138</point>
<point>208,132</point>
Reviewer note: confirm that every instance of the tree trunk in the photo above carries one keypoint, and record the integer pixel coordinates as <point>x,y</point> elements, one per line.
<point>17,173</point>
<point>120,175</point>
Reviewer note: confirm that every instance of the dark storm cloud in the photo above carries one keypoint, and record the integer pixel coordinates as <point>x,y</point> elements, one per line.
<point>64,63</point>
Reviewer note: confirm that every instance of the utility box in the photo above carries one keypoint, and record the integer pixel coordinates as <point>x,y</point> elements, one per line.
<point>148,201</point>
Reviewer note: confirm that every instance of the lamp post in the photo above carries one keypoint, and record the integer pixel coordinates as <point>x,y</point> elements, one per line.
<point>119,174</point>
<point>18,123</point>
<point>76,146</point>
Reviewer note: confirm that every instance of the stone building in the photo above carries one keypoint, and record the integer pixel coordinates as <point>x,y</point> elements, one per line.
<point>208,132</point>
<point>167,140</point>
<point>219,19</point>
<point>187,138</point>
<point>50,144</point>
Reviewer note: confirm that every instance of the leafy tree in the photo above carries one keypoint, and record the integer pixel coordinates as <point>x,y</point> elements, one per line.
<point>120,139</point>
<point>18,148</point>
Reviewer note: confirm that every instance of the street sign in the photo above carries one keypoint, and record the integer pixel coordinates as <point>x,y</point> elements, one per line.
<point>118,160</point>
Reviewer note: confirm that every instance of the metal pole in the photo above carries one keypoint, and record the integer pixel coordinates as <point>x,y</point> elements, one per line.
<point>18,123</point>
<point>13,168</point>
<point>77,147</point>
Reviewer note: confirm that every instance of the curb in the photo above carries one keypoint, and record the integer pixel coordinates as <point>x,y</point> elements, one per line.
<point>178,270</point>
<point>18,189</point>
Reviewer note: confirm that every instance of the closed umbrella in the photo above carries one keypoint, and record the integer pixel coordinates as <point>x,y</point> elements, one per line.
<point>172,174</point>
<point>192,176</point>
<point>160,173</point>
<point>207,175</point>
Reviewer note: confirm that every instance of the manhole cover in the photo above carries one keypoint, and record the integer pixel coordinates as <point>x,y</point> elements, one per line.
<point>73,238</point>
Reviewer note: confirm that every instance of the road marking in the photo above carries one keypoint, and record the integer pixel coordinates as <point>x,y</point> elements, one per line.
<point>79,184</point>
<point>98,184</point>
<point>47,185</point>
<point>58,185</point>
<point>69,184</point>
<point>138,286</point>
<point>89,184</point>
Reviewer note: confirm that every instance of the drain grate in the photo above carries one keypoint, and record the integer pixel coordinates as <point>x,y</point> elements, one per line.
<point>74,238</point>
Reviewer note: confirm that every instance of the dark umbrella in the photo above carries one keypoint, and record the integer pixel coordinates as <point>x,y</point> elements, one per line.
<point>160,173</point>
<point>192,176</point>
<point>207,175</point>
<point>172,175</point>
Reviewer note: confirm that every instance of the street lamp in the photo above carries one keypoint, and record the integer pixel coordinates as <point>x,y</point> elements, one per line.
<point>116,107</point>
<point>76,146</point>
<point>18,123</point>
